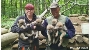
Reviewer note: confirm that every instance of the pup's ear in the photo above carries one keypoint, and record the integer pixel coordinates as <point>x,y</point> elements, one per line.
<point>63,24</point>
<point>24,20</point>
<point>41,20</point>
<point>18,21</point>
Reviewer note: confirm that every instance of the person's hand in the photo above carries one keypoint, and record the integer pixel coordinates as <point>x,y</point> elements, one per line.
<point>28,28</point>
<point>34,27</point>
<point>39,28</point>
<point>64,30</point>
<point>20,30</point>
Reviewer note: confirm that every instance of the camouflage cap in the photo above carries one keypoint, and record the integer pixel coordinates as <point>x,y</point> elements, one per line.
<point>54,5</point>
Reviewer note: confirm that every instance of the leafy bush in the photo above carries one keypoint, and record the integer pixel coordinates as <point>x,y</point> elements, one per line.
<point>6,22</point>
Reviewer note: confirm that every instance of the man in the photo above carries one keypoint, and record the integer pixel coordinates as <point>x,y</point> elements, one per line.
<point>29,17</point>
<point>54,7</point>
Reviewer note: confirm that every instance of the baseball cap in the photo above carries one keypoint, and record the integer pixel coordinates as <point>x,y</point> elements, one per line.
<point>29,6</point>
<point>54,5</point>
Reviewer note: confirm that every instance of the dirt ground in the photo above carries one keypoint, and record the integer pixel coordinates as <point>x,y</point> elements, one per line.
<point>76,20</point>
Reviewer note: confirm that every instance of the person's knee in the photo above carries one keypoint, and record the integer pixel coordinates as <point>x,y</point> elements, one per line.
<point>23,48</point>
<point>19,48</point>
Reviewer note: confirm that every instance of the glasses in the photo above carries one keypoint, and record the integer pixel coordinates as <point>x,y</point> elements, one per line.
<point>29,8</point>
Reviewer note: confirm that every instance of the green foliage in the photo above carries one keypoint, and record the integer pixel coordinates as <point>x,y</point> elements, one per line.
<point>14,8</point>
<point>76,9</point>
<point>6,22</point>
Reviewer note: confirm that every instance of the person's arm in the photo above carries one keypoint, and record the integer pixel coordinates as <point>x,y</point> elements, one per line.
<point>70,28</point>
<point>44,32</point>
<point>16,29</point>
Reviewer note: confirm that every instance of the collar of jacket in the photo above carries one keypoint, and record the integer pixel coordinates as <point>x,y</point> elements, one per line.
<point>34,18</point>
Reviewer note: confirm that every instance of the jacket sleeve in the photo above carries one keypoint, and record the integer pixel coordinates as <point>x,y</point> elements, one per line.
<point>70,28</point>
<point>44,32</point>
<point>15,28</point>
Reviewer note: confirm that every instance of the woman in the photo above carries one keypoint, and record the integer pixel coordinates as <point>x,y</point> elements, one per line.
<point>29,17</point>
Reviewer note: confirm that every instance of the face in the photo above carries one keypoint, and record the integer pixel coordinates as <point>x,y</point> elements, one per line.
<point>21,22</point>
<point>29,12</point>
<point>54,22</point>
<point>55,12</point>
<point>50,28</point>
<point>38,21</point>
<point>59,25</point>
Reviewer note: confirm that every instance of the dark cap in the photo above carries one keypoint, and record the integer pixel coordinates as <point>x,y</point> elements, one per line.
<point>29,6</point>
<point>54,5</point>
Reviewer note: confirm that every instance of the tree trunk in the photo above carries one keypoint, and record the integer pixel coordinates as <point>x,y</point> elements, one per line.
<point>4,8</point>
<point>11,8</point>
<point>16,8</point>
<point>3,31</point>
<point>8,38</point>
<point>20,7</point>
